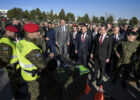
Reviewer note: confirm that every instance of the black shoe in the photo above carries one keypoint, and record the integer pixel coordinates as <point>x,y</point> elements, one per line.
<point>138,84</point>
<point>113,81</point>
<point>123,84</point>
<point>19,95</point>
<point>99,82</point>
<point>92,80</point>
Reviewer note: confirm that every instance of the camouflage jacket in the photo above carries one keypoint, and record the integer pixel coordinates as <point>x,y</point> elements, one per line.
<point>35,56</point>
<point>5,53</point>
<point>127,50</point>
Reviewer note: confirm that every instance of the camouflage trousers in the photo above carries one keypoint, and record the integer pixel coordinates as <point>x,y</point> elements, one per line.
<point>126,71</point>
<point>137,76</point>
<point>33,89</point>
<point>14,77</point>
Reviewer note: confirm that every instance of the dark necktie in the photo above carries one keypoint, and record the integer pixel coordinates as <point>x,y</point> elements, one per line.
<point>83,38</point>
<point>101,39</point>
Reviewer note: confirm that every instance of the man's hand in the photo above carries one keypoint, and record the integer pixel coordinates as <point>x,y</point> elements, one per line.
<point>107,60</point>
<point>68,43</point>
<point>91,56</point>
<point>47,39</point>
<point>56,43</point>
<point>118,55</point>
<point>76,51</point>
<point>51,55</point>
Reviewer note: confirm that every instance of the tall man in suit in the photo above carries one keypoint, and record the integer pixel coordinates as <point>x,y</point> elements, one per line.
<point>63,38</point>
<point>82,46</point>
<point>73,37</point>
<point>101,51</point>
<point>116,37</point>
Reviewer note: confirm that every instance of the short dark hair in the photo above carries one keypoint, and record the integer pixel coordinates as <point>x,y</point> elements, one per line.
<point>105,26</point>
<point>49,22</point>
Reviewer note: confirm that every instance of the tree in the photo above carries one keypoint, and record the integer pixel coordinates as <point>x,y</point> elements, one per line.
<point>70,17</point>
<point>15,13</point>
<point>95,20</point>
<point>81,19</point>
<point>86,18</point>
<point>26,14</point>
<point>44,16</point>
<point>102,20</point>
<point>38,13</point>
<point>110,20</point>
<point>32,15</point>
<point>51,16</point>
<point>133,21</point>
<point>62,14</point>
<point>122,21</point>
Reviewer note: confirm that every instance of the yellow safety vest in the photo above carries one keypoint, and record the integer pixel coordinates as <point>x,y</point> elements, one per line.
<point>23,48</point>
<point>82,69</point>
<point>14,58</point>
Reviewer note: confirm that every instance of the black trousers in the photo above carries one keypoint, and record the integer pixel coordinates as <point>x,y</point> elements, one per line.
<point>83,60</point>
<point>127,68</point>
<point>99,65</point>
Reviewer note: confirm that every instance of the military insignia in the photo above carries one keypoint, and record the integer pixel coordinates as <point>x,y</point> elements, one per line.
<point>38,55</point>
<point>5,48</point>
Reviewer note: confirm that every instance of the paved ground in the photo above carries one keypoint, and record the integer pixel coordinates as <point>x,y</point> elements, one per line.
<point>116,91</point>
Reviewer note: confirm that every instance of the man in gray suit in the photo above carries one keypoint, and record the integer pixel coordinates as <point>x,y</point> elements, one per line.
<point>63,38</point>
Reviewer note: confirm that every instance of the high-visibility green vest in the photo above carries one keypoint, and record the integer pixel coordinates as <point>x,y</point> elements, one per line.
<point>14,58</point>
<point>23,48</point>
<point>82,69</point>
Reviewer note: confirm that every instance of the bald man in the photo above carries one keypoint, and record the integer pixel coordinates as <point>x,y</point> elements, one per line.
<point>63,38</point>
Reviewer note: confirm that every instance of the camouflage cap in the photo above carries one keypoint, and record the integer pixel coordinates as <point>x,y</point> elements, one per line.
<point>135,26</point>
<point>132,33</point>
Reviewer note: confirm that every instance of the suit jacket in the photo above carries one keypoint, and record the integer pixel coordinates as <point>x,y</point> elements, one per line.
<point>61,36</point>
<point>45,29</point>
<point>103,51</point>
<point>72,40</point>
<point>83,47</point>
<point>51,35</point>
<point>120,37</point>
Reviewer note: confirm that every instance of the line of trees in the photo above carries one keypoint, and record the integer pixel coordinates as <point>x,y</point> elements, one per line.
<point>37,14</point>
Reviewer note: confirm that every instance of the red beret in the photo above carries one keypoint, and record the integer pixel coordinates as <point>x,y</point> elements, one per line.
<point>11,28</point>
<point>31,27</point>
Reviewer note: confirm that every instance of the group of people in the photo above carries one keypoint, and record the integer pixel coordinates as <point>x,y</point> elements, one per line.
<point>25,44</point>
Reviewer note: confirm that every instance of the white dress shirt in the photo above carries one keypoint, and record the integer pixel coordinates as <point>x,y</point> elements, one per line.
<point>84,35</point>
<point>104,35</point>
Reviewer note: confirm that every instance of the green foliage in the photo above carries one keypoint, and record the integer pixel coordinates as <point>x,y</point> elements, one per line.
<point>122,21</point>
<point>95,20</point>
<point>62,14</point>
<point>15,13</point>
<point>102,20</point>
<point>86,18</point>
<point>70,17</point>
<point>133,21</point>
<point>110,20</point>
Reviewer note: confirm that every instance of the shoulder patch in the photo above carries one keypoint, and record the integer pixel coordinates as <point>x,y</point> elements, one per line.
<point>38,55</point>
<point>5,48</point>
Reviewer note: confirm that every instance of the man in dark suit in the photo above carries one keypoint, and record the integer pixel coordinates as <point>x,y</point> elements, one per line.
<point>73,37</point>
<point>82,46</point>
<point>116,37</point>
<point>45,28</point>
<point>50,38</point>
<point>101,52</point>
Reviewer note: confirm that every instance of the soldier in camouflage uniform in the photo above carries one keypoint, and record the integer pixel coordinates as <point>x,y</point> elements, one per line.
<point>126,52</point>
<point>137,75</point>
<point>40,41</point>
<point>29,53</point>
<point>9,61</point>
